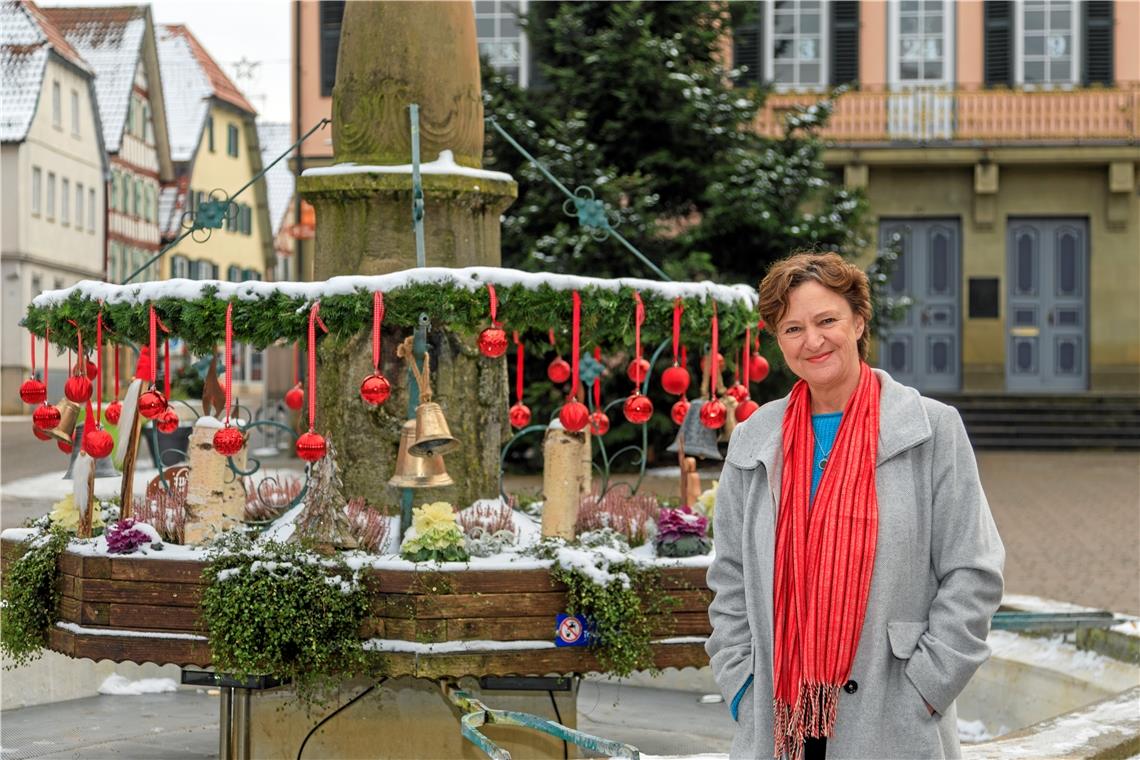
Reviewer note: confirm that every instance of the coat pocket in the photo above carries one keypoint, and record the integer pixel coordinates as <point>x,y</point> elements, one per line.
<point>904,636</point>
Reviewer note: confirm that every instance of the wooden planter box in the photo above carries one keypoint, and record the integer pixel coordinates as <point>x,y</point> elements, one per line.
<point>147,610</point>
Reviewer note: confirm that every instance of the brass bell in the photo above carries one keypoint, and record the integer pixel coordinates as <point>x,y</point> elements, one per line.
<point>699,441</point>
<point>417,472</point>
<point>68,416</point>
<point>433,437</point>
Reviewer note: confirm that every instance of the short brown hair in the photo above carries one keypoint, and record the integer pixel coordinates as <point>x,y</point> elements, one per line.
<point>829,270</point>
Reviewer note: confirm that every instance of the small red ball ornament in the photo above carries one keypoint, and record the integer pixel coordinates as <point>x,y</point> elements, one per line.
<point>311,446</point>
<point>77,389</point>
<point>738,392</point>
<point>33,391</point>
<point>574,416</point>
<point>151,404</point>
<point>714,414</point>
<point>228,441</point>
<point>295,397</point>
<point>375,389</point>
<point>64,446</point>
<point>638,408</point>
<point>45,417</point>
<point>98,443</point>
<point>113,412</point>
<point>493,342</point>
<point>92,371</point>
<point>167,421</point>
<point>758,369</point>
<point>637,370</point>
<point>675,380</point>
<point>745,409</point>
<point>41,434</point>
<point>599,423</point>
<point>558,371</point>
<point>520,415</point>
<point>679,411</point>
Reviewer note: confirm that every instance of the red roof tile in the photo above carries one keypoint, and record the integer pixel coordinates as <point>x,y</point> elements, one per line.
<point>55,38</point>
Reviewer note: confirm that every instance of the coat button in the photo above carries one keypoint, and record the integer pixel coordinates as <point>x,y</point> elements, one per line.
<point>851,687</point>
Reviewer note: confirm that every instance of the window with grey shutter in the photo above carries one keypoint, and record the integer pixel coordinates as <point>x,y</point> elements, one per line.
<point>331,15</point>
<point>1098,31</point>
<point>998,46</point>
<point>747,43</point>
<point>844,42</point>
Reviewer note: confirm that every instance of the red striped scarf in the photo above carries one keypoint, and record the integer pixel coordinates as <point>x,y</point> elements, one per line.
<point>824,559</point>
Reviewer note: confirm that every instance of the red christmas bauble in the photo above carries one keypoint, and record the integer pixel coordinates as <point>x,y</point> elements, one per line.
<point>45,417</point>
<point>64,446</point>
<point>519,414</point>
<point>493,342</point>
<point>705,362</point>
<point>77,389</point>
<point>33,391</point>
<point>638,408</point>
<point>98,443</point>
<point>637,370</point>
<point>574,416</point>
<point>228,441</point>
<point>295,397</point>
<point>558,371</point>
<point>151,404</point>
<point>375,389</point>
<point>311,446</point>
<point>714,414</point>
<point>738,392</point>
<point>758,369</point>
<point>679,411</point>
<point>167,421</point>
<point>41,434</point>
<point>745,409</point>
<point>675,380</point>
<point>92,370</point>
<point>113,412</point>
<point>599,423</point>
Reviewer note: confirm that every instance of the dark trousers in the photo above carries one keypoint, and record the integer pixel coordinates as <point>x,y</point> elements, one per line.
<point>815,749</point>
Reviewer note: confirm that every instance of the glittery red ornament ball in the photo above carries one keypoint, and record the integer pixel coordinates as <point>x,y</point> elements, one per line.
<point>745,409</point>
<point>33,391</point>
<point>679,411</point>
<point>493,342</point>
<point>45,417</point>
<point>311,446</point>
<point>638,408</point>
<point>167,421</point>
<point>520,415</point>
<point>113,412</point>
<point>92,371</point>
<point>295,397</point>
<point>637,370</point>
<point>675,380</point>
<point>228,441</point>
<point>43,435</point>
<point>151,404</point>
<point>574,416</point>
<point>599,423</point>
<point>375,389</point>
<point>64,446</point>
<point>98,443</point>
<point>77,389</point>
<point>758,369</point>
<point>738,392</point>
<point>714,414</point>
<point>558,371</point>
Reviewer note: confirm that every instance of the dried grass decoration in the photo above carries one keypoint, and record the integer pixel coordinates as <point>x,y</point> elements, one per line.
<point>632,515</point>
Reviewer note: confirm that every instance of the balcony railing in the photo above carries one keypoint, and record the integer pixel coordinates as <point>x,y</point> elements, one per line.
<point>989,116</point>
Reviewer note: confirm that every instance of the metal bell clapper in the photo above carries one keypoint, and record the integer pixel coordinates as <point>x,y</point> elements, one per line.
<point>417,472</point>
<point>699,441</point>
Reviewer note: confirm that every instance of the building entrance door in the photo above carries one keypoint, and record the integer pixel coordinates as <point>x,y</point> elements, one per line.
<point>923,350</point>
<point>1047,305</point>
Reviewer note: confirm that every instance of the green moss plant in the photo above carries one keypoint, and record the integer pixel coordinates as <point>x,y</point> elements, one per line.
<point>31,596</point>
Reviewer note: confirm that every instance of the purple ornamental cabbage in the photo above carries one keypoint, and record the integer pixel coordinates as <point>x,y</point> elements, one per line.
<point>682,533</point>
<point>123,537</point>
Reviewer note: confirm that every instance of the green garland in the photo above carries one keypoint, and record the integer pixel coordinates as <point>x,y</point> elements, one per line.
<point>31,596</point>
<point>607,316</point>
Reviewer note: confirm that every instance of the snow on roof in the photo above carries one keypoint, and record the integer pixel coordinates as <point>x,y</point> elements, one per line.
<point>275,138</point>
<point>26,38</point>
<point>110,40</point>
<point>170,200</point>
<point>186,89</point>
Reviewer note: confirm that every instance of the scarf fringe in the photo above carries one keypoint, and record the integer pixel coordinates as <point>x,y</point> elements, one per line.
<point>813,715</point>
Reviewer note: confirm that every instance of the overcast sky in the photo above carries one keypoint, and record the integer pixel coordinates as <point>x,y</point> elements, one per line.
<point>248,38</point>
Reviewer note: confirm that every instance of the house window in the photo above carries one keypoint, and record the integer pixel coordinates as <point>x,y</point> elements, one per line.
<point>180,267</point>
<point>232,140</point>
<point>51,196</point>
<point>136,193</point>
<point>75,113</point>
<point>500,39</point>
<point>923,51</point>
<point>113,263</point>
<point>125,200</point>
<point>90,209</point>
<point>78,205</point>
<point>247,220</point>
<point>56,106</point>
<point>115,190</point>
<point>1047,43</point>
<point>65,201</point>
<point>210,133</point>
<point>331,15</point>
<point>147,131</point>
<point>251,274</point>
<point>233,273</point>
<point>37,189</point>
<point>796,45</point>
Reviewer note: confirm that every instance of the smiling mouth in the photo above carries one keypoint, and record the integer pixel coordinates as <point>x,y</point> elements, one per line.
<point>820,358</point>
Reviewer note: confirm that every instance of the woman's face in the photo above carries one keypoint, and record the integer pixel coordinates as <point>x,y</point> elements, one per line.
<point>819,336</point>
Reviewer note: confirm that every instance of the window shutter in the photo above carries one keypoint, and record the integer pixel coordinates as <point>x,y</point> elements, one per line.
<point>844,42</point>
<point>998,22</point>
<point>748,45</point>
<point>1098,23</point>
<point>331,15</point>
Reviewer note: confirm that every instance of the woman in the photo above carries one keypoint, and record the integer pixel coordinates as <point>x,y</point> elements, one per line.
<point>857,564</point>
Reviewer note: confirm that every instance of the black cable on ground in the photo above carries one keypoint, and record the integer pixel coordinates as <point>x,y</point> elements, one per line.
<point>558,717</point>
<point>336,712</point>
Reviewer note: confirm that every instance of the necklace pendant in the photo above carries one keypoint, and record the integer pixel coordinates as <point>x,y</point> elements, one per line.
<point>822,463</point>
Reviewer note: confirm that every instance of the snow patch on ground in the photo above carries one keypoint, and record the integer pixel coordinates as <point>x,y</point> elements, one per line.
<point>52,487</point>
<point>120,686</point>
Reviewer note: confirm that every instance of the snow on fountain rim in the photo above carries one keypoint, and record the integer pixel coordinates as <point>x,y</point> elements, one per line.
<point>445,164</point>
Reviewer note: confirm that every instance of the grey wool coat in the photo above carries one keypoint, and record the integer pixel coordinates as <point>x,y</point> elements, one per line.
<point>936,583</point>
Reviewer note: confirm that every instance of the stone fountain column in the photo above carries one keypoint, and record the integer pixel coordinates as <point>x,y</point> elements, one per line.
<point>393,54</point>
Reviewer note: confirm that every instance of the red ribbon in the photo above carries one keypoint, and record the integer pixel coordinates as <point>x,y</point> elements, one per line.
<point>576,325</point>
<point>296,363</point>
<point>229,358</point>
<point>99,367</point>
<point>598,382</point>
<point>494,305</point>
<point>678,310</point>
<point>747,353</point>
<point>552,337</point>
<point>32,335</point>
<point>47,337</point>
<point>314,320</point>
<point>713,366</point>
<point>638,318</point>
<point>166,369</point>
<point>518,367</point>
<point>377,318</point>
<point>154,347</point>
